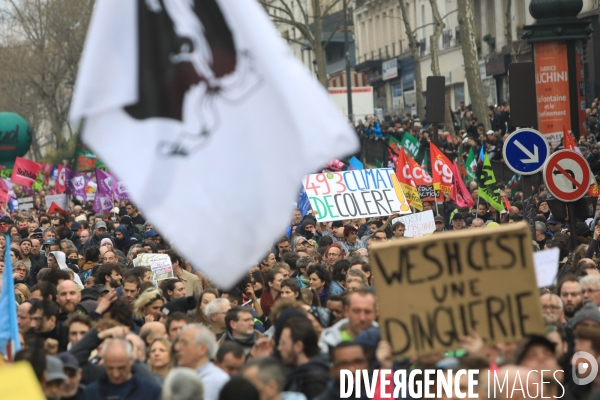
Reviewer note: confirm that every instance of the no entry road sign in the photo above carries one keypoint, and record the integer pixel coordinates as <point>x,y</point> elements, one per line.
<point>525,151</point>
<point>567,175</point>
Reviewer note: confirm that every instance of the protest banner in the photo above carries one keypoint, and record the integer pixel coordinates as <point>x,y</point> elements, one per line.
<point>441,170</point>
<point>435,289</point>
<point>423,180</point>
<point>159,264</point>
<point>25,172</point>
<point>407,182</point>
<point>417,224</point>
<point>355,194</point>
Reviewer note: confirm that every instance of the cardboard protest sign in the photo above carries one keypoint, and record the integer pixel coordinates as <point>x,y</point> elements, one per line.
<point>355,194</point>
<point>433,290</point>
<point>417,224</point>
<point>159,264</point>
<point>57,202</point>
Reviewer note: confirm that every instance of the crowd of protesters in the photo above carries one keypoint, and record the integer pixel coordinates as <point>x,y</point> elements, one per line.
<point>301,315</point>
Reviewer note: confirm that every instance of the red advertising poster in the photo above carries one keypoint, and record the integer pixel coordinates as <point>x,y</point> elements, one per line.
<point>552,90</point>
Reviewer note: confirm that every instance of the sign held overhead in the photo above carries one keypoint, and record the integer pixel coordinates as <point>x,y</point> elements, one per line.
<point>450,283</point>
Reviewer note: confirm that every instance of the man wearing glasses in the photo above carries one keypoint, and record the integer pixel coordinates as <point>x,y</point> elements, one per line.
<point>590,288</point>
<point>552,307</point>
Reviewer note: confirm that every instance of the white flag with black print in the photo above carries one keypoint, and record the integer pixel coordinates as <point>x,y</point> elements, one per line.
<point>200,108</point>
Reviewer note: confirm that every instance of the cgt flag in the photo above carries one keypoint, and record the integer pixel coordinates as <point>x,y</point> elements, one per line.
<point>187,86</point>
<point>25,172</point>
<point>441,171</point>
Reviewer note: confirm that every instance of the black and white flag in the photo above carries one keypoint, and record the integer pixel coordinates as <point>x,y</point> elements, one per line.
<point>199,107</point>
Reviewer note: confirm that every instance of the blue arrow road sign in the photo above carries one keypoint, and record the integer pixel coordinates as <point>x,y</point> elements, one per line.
<point>525,151</point>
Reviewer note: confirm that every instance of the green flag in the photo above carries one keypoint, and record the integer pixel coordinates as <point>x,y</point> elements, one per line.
<point>471,166</point>
<point>378,163</point>
<point>394,145</point>
<point>488,190</point>
<point>410,144</point>
<point>425,162</point>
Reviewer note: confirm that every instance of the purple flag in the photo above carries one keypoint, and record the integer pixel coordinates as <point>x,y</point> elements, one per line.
<point>121,192</point>
<point>103,202</point>
<point>75,183</point>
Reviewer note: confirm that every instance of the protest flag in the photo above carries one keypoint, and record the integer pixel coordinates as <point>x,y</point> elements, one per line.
<point>407,183</point>
<point>513,183</point>
<point>9,330</point>
<point>3,192</point>
<point>471,166</point>
<point>394,146</point>
<point>378,163</point>
<point>25,172</point>
<point>460,194</point>
<point>181,112</point>
<point>75,183</point>
<point>487,188</point>
<point>61,180</point>
<point>423,181</point>
<point>354,163</point>
<point>506,203</point>
<point>425,163</point>
<point>462,168</point>
<point>410,144</point>
<point>569,142</point>
<point>103,202</point>
<point>594,189</point>
<point>57,203</point>
<point>441,171</point>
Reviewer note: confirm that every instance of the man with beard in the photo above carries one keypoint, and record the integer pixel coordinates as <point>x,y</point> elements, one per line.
<point>569,291</point>
<point>25,247</point>
<point>110,275</point>
<point>44,322</point>
<point>68,297</point>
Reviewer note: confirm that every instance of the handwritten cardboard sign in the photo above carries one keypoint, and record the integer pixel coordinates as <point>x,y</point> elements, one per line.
<point>432,290</point>
<point>354,194</point>
<point>417,224</point>
<point>159,264</point>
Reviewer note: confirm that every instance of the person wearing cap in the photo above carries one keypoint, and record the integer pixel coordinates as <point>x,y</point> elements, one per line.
<point>54,379</point>
<point>96,239</point>
<point>458,222</point>
<point>439,224</point>
<point>151,235</point>
<point>72,388</point>
<point>554,225</point>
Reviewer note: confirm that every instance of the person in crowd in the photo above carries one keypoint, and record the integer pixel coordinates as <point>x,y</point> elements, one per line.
<point>194,349</point>
<point>204,299</point>
<point>174,323</point>
<point>159,357</point>
<point>182,384</point>
<point>239,324</point>
<point>320,280</point>
<point>230,357</point>
<point>215,313</point>
<point>147,307</point>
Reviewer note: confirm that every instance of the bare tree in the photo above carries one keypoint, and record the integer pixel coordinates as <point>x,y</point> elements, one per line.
<point>435,62</point>
<point>508,31</point>
<point>469,50</point>
<point>307,16</point>
<point>42,56</point>
<point>413,44</point>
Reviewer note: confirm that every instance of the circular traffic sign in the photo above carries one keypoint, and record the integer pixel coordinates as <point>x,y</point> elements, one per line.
<point>525,151</point>
<point>567,175</point>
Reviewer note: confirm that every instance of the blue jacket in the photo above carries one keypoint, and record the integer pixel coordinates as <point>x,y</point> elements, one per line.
<point>134,389</point>
<point>375,131</point>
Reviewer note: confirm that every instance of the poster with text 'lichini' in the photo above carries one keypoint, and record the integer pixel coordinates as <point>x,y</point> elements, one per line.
<point>354,194</point>
<point>434,290</point>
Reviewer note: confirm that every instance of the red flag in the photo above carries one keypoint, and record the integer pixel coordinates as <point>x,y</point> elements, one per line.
<point>441,170</point>
<point>3,192</point>
<point>460,194</point>
<point>422,179</point>
<point>61,180</point>
<point>25,172</point>
<point>506,203</point>
<point>406,181</point>
<point>594,190</point>
<point>569,142</point>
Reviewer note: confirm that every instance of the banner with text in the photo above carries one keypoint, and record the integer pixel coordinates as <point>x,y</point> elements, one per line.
<point>25,172</point>
<point>454,282</point>
<point>355,194</point>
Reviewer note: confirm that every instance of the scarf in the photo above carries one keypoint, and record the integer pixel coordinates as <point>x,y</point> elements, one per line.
<point>244,342</point>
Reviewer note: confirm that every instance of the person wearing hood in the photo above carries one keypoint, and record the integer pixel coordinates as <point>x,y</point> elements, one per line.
<point>57,259</point>
<point>308,228</point>
<point>122,239</point>
<point>299,350</point>
<point>131,228</point>
<point>150,246</point>
<point>239,324</point>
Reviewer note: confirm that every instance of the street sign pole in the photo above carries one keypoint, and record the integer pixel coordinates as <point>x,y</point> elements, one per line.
<point>572,225</point>
<point>528,201</point>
